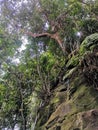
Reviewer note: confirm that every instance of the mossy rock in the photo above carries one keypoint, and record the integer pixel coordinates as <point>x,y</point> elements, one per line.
<point>87,44</point>
<point>75,102</point>
<point>87,120</point>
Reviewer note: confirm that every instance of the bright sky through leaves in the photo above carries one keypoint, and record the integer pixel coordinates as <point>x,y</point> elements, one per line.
<point>20,49</point>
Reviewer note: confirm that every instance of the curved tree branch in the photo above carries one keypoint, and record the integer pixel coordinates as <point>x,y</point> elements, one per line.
<point>54,36</point>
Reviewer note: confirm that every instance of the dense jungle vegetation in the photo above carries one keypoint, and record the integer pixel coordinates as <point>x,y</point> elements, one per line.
<point>36,39</point>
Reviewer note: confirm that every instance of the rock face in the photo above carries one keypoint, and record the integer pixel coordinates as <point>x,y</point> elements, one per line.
<point>74,102</point>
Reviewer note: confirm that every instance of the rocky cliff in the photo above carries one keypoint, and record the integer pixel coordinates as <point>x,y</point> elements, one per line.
<point>73,104</point>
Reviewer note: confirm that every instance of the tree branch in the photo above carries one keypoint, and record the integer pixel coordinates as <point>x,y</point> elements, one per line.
<point>54,36</point>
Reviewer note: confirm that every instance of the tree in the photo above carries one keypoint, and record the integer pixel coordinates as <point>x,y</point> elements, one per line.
<point>50,26</point>
<point>59,20</point>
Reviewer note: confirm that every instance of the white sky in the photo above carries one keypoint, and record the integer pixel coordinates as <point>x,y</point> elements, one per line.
<point>79,34</point>
<point>24,43</point>
<point>16,128</point>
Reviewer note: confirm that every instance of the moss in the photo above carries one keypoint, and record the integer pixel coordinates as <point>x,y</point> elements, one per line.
<point>69,73</point>
<point>73,61</point>
<point>92,47</point>
<point>59,95</point>
<point>55,100</point>
<point>69,123</point>
<point>85,98</point>
<point>82,49</point>
<point>87,44</point>
<point>82,97</point>
<point>86,47</point>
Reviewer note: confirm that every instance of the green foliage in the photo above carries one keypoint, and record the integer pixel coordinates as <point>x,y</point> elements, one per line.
<point>89,26</point>
<point>74,61</point>
<point>23,86</point>
<point>2,92</point>
<point>47,61</point>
